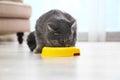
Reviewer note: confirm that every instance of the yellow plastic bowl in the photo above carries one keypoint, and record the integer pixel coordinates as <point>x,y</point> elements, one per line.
<point>60,51</point>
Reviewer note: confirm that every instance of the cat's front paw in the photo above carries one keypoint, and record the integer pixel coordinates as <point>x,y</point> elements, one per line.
<point>37,51</point>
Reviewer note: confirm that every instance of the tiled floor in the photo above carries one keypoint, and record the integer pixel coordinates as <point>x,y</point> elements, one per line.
<point>98,61</point>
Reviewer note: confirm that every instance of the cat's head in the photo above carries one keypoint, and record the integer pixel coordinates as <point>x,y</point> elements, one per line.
<point>61,33</point>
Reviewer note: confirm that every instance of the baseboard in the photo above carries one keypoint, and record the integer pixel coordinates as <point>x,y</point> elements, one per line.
<point>110,36</point>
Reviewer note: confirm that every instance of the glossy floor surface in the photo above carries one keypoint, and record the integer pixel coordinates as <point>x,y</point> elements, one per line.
<point>98,61</point>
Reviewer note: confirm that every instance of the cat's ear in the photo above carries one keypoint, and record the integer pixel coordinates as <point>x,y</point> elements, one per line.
<point>50,26</point>
<point>72,23</point>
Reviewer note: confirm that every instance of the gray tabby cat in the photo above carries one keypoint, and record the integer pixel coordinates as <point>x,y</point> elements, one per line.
<point>55,29</point>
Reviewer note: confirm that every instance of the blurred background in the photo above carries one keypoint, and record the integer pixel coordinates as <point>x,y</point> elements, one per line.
<point>98,20</point>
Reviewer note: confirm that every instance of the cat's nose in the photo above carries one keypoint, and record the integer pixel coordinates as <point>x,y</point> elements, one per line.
<point>63,41</point>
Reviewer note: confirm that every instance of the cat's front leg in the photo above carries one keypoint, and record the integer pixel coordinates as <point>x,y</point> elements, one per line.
<point>39,47</point>
<point>39,41</point>
<point>38,50</point>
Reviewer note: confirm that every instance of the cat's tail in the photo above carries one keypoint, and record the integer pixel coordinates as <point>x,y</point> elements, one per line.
<point>31,42</point>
